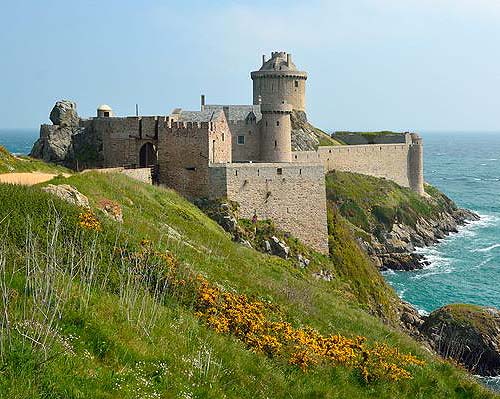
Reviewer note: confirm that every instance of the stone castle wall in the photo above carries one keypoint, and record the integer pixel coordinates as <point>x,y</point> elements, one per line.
<point>123,138</point>
<point>251,149</point>
<point>185,150</point>
<point>292,195</point>
<point>401,163</point>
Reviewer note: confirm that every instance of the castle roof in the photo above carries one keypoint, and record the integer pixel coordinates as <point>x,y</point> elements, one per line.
<point>278,62</point>
<point>104,107</point>
<point>199,116</point>
<point>237,112</point>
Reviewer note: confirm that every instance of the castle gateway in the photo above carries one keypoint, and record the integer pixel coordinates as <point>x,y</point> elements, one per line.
<point>241,152</point>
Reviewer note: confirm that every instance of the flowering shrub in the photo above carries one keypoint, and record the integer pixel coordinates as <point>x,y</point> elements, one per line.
<point>250,322</point>
<point>260,327</point>
<point>88,221</point>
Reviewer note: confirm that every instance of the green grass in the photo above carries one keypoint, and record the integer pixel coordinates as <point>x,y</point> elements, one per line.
<point>374,205</point>
<point>113,357</point>
<point>10,163</point>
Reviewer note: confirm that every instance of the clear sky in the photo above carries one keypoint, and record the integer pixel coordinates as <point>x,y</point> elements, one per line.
<point>372,64</point>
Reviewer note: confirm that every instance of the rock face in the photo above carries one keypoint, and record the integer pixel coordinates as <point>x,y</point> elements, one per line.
<point>305,137</point>
<point>68,193</point>
<point>64,114</point>
<point>468,334</point>
<point>68,141</point>
<point>395,249</point>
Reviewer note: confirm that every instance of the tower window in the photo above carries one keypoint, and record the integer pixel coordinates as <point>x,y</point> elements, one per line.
<point>279,171</point>
<point>106,113</point>
<point>275,143</point>
<point>241,140</point>
<point>277,123</point>
<point>296,83</point>
<point>222,136</point>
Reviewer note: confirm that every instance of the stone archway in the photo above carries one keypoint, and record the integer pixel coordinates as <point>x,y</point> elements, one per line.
<point>147,156</point>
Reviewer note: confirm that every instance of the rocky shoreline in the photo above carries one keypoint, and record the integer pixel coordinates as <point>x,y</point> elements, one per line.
<point>395,250</point>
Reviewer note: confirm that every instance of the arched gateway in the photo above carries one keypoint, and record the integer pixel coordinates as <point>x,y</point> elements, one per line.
<point>147,156</point>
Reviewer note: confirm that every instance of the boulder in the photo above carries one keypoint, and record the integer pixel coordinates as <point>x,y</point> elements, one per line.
<point>68,193</point>
<point>303,262</point>
<point>325,275</point>
<point>468,334</point>
<point>279,248</point>
<point>64,114</point>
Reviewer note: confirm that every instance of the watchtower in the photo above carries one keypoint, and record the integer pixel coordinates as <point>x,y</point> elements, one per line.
<point>279,81</point>
<point>276,137</point>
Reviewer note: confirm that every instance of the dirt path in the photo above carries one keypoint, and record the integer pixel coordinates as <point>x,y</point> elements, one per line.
<point>27,179</point>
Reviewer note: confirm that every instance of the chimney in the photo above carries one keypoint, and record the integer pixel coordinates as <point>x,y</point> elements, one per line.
<point>288,59</point>
<point>203,102</point>
<point>263,59</point>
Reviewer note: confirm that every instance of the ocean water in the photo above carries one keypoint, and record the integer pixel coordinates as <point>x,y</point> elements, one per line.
<point>465,267</point>
<point>18,141</point>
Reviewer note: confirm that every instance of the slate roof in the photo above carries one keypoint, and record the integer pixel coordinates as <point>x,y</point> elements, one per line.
<point>237,112</point>
<point>200,116</point>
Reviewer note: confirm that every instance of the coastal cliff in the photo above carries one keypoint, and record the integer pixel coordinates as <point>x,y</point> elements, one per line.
<point>390,221</point>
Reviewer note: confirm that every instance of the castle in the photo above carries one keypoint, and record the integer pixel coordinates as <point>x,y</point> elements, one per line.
<point>244,153</point>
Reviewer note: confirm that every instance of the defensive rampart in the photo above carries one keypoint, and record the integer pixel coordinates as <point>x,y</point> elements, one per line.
<point>292,195</point>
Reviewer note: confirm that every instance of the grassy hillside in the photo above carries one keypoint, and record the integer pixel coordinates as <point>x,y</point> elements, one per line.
<point>11,163</point>
<point>372,204</point>
<point>91,308</point>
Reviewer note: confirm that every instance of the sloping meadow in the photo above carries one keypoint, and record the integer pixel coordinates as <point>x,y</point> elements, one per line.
<point>166,305</point>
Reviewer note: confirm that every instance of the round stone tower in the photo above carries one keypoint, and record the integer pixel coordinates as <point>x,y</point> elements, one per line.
<point>279,81</point>
<point>416,164</point>
<point>276,128</point>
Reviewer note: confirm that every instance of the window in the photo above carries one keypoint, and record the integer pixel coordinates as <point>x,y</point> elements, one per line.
<point>275,143</point>
<point>241,140</point>
<point>279,171</point>
<point>277,123</point>
<point>296,83</point>
<point>223,137</point>
<point>106,113</point>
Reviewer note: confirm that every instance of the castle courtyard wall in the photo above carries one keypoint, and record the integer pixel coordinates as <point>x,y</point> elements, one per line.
<point>292,195</point>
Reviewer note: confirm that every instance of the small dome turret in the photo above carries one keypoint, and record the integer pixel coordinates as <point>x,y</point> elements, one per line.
<point>104,111</point>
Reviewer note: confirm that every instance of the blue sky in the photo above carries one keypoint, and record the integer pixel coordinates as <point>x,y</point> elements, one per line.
<point>372,64</point>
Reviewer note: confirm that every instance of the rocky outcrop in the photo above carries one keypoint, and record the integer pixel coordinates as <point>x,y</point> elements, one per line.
<point>68,193</point>
<point>468,334</point>
<point>69,141</point>
<point>395,249</point>
<point>306,137</point>
<point>64,114</point>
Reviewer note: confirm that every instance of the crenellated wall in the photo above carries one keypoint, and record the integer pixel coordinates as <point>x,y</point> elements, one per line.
<point>185,150</point>
<point>292,195</point>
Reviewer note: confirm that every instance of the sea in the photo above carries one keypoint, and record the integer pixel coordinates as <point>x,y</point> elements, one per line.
<point>464,267</point>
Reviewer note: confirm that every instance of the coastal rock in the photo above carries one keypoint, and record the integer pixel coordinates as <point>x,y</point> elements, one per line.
<point>468,334</point>
<point>68,193</point>
<point>411,321</point>
<point>64,114</point>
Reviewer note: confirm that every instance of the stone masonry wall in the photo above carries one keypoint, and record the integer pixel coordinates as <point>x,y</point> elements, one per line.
<point>292,195</point>
<point>250,151</point>
<point>185,150</point>
<point>389,161</point>
<point>276,88</point>
<point>123,138</point>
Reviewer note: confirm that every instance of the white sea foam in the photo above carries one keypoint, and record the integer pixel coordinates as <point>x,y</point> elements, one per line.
<point>434,272</point>
<point>487,249</point>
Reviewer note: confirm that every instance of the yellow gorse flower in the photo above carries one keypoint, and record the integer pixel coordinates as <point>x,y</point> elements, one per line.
<point>88,221</point>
